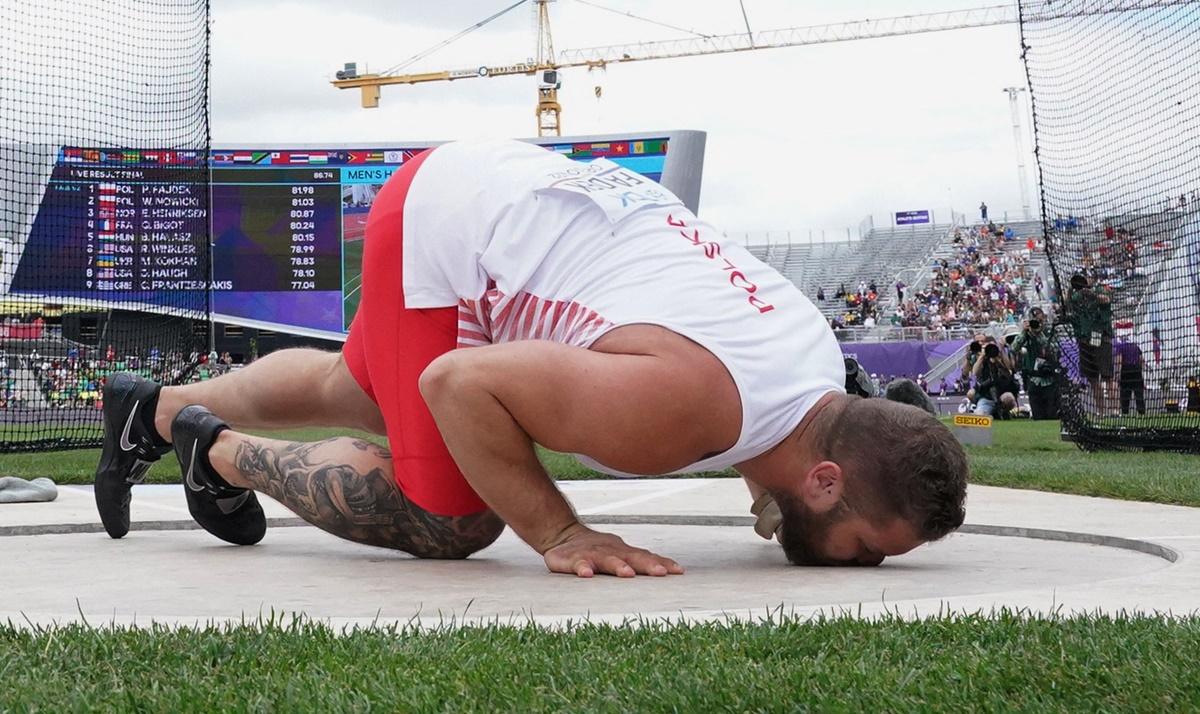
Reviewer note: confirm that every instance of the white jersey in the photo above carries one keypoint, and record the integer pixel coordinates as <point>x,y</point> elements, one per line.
<point>532,245</point>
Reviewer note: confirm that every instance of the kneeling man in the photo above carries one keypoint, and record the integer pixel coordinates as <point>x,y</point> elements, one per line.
<point>510,297</point>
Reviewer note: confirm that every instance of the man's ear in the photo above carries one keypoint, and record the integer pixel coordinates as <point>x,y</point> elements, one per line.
<point>822,486</point>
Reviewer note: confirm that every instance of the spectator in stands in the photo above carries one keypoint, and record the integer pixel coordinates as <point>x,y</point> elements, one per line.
<point>972,287</point>
<point>1036,360</point>
<point>983,212</point>
<point>841,291</point>
<point>872,287</point>
<point>1128,368</point>
<point>820,294</point>
<point>900,291</point>
<point>1090,313</point>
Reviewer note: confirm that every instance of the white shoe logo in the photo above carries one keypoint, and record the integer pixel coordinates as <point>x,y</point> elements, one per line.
<point>126,445</point>
<point>190,480</point>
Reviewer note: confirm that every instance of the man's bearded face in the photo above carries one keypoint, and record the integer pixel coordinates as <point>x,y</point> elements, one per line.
<point>811,538</point>
<point>840,536</point>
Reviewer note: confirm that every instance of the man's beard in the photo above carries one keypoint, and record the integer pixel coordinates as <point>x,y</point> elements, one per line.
<point>804,532</point>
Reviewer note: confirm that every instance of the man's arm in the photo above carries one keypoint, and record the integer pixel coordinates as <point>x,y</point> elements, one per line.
<point>634,413</point>
<point>978,366</point>
<point>1008,360</point>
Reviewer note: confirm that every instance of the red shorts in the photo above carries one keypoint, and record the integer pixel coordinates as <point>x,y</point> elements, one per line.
<point>390,345</point>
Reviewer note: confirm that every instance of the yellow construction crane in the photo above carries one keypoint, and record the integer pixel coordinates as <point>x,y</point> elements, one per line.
<point>546,65</point>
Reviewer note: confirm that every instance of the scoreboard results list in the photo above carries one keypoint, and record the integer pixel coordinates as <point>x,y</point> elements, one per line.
<point>133,226</point>
<point>287,227</point>
<point>119,232</point>
<point>278,230</point>
<point>277,244</point>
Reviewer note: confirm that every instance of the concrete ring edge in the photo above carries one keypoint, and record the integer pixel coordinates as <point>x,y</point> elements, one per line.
<point>1140,546</point>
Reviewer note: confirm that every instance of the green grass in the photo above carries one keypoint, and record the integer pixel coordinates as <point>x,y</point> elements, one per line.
<point>1001,662</point>
<point>1030,455</point>
<point>352,256</point>
<point>996,662</point>
<point>1026,455</point>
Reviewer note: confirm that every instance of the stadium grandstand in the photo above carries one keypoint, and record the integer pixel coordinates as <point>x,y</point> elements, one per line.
<point>918,282</point>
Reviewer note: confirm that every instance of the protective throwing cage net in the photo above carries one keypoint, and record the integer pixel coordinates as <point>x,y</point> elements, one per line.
<point>104,140</point>
<point>1116,98</point>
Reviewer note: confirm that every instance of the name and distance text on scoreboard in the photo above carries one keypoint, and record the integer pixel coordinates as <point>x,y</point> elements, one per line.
<point>287,227</point>
<point>119,225</point>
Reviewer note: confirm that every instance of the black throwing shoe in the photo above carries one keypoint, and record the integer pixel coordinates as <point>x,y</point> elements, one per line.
<point>231,514</point>
<point>129,447</point>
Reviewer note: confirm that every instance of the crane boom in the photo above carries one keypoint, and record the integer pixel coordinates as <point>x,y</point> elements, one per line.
<point>839,32</point>
<point>744,41</point>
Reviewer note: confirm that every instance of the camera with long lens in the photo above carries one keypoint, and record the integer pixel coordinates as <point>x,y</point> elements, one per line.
<point>902,390</point>
<point>991,351</point>
<point>858,382</point>
<point>1035,325</point>
<point>975,347</point>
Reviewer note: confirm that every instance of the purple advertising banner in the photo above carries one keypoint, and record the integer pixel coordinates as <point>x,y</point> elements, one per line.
<point>909,218</point>
<point>900,359</point>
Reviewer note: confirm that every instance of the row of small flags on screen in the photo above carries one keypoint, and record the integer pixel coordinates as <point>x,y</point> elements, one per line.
<point>74,155</point>
<point>276,158</point>
<point>595,150</point>
<point>71,155</point>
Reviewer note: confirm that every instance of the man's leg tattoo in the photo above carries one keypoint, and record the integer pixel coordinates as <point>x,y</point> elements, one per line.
<point>360,504</point>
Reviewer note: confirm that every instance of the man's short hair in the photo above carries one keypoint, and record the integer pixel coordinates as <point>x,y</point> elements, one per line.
<point>899,461</point>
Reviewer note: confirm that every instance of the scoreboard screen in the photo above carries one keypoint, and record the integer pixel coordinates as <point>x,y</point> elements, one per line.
<point>119,225</point>
<point>287,224</point>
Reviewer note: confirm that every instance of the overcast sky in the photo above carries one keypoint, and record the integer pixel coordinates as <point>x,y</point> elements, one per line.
<point>802,139</point>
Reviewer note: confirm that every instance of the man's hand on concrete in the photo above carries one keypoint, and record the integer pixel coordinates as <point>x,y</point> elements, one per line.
<point>584,552</point>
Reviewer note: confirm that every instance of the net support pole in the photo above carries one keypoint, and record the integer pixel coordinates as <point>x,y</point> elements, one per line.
<point>1022,179</point>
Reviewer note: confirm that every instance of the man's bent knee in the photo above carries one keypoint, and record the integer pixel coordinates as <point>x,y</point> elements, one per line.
<point>455,537</point>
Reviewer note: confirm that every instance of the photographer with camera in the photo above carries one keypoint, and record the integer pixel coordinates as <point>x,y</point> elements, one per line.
<point>974,352</point>
<point>993,381</point>
<point>1035,358</point>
